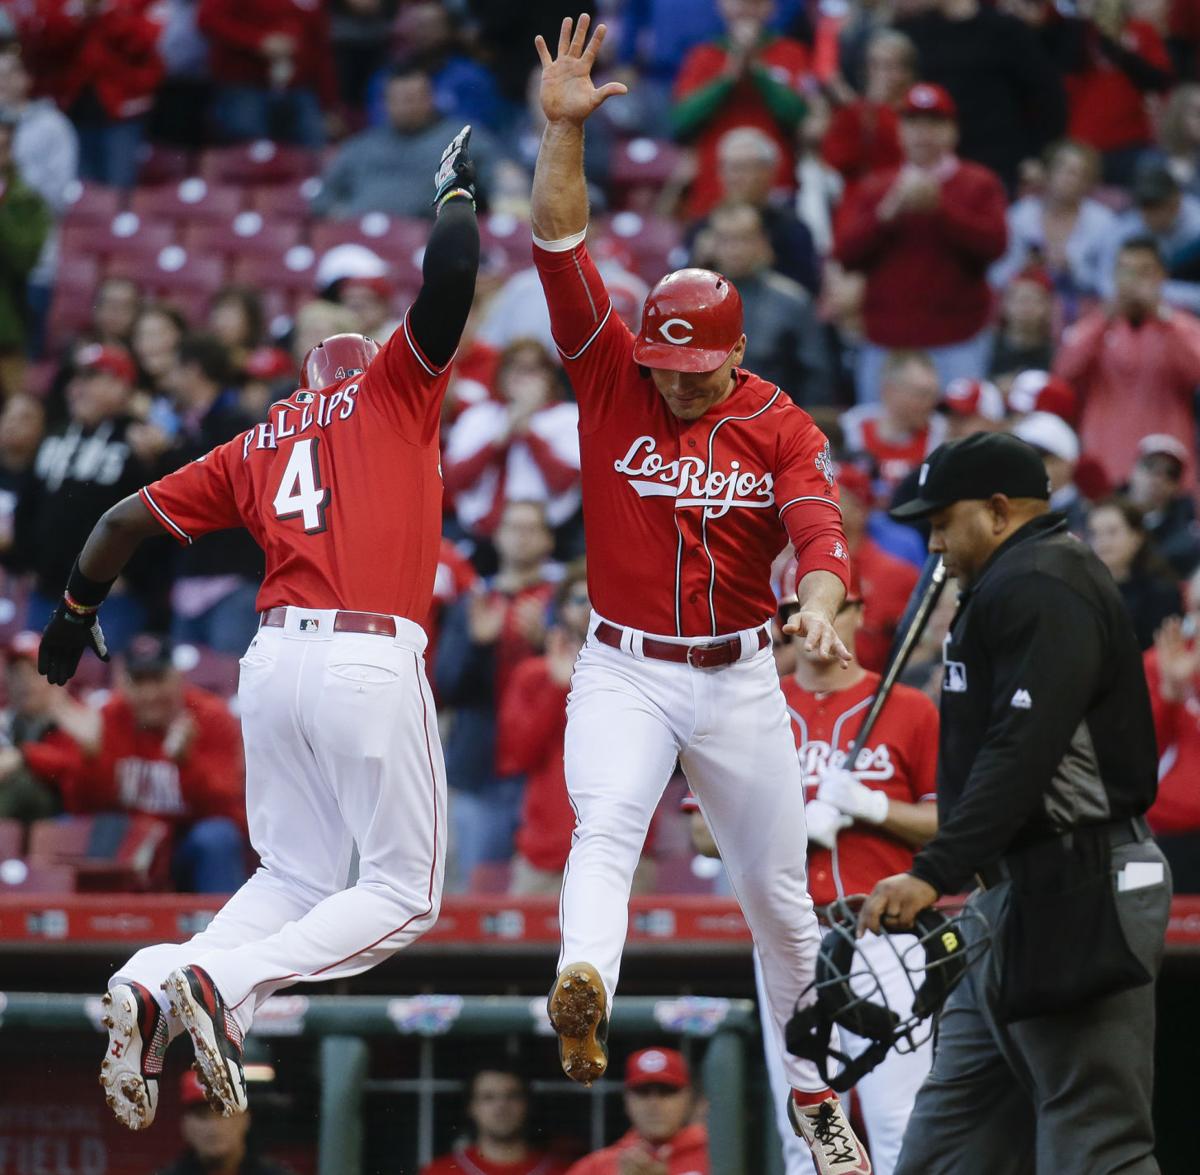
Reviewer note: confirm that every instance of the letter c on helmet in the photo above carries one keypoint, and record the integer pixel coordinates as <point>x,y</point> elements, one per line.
<point>668,334</point>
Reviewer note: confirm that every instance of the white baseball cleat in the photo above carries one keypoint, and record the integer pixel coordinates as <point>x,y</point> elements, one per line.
<point>835,1147</point>
<point>215,1035</point>
<point>133,1061</point>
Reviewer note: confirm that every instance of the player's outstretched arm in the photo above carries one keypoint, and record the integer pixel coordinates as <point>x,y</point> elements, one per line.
<point>568,97</point>
<point>451,258</point>
<point>74,625</point>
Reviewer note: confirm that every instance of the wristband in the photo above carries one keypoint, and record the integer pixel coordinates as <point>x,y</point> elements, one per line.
<point>455,192</point>
<point>85,595</point>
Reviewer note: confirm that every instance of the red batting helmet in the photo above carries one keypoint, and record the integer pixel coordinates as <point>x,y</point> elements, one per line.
<point>691,321</point>
<point>336,358</point>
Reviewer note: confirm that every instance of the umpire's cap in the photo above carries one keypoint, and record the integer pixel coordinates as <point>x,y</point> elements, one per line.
<point>692,320</point>
<point>975,468</point>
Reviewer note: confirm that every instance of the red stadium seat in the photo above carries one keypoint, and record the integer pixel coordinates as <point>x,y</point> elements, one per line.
<point>291,271</point>
<point>389,236</point>
<point>290,199</point>
<point>261,162</point>
<point>506,242</point>
<point>491,877</point>
<point>162,165</point>
<point>12,839</point>
<point>212,671</point>
<point>89,203</point>
<point>641,163</point>
<point>650,239</point>
<point>249,233</point>
<point>189,200</point>
<point>126,235</point>
<point>172,271</point>
<point>108,850</point>
<point>34,878</point>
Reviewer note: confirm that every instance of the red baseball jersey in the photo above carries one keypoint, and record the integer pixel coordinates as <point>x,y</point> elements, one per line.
<point>685,517</point>
<point>340,487</point>
<point>471,1162</point>
<point>901,759</point>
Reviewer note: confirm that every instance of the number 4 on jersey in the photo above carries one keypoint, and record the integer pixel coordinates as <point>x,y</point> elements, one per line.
<point>300,493</point>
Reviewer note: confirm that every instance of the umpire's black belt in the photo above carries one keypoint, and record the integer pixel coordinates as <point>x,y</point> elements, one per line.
<point>1118,832</point>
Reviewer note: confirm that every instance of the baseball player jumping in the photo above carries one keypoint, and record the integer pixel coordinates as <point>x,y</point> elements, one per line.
<point>695,474</point>
<point>341,488</point>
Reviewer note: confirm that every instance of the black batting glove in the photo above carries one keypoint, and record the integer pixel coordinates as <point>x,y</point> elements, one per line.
<point>66,636</point>
<point>456,172</point>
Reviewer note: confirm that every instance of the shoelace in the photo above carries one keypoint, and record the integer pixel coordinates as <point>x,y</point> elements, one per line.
<point>831,1134</point>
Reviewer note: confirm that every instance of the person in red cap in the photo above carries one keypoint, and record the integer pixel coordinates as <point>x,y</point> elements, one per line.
<point>498,1109</point>
<point>924,234</point>
<point>1039,391</point>
<point>213,1144</point>
<point>1137,355</point>
<point>695,474</point>
<point>971,405</point>
<point>662,1139</point>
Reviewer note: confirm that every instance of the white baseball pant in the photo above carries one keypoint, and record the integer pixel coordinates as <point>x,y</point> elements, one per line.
<point>628,718</point>
<point>342,749</point>
<point>886,1094</point>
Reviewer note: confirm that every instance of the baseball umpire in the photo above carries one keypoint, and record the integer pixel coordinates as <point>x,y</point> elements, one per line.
<point>1047,764</point>
<point>341,487</point>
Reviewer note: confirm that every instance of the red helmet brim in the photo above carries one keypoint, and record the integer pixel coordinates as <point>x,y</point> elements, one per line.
<point>671,357</point>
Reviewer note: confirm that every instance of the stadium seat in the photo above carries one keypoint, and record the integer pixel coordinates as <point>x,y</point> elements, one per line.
<point>388,236</point>
<point>674,873</point>
<point>491,877</point>
<point>172,271</point>
<point>190,200</point>
<point>127,235</point>
<point>291,199</point>
<point>507,243</point>
<point>212,671</point>
<point>111,850</point>
<point>162,165</point>
<point>34,878</point>
<point>89,203</point>
<point>641,166</point>
<point>249,233</point>
<point>12,839</point>
<point>260,162</point>
<point>290,272</point>
<point>650,239</point>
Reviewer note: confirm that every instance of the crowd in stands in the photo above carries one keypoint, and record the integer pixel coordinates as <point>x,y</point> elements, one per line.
<point>942,216</point>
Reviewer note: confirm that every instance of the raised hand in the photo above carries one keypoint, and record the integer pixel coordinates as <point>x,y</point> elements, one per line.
<point>567,92</point>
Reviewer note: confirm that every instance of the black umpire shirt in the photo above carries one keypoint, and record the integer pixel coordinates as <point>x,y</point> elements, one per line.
<point>1045,715</point>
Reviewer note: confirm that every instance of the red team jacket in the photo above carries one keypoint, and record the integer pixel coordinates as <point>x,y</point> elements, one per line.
<point>132,773</point>
<point>1176,809</point>
<point>368,443</point>
<point>900,759</point>
<point>684,517</point>
<point>471,1162</point>
<point>685,1154</point>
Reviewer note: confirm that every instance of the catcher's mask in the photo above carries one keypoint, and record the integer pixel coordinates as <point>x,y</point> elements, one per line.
<point>933,956</point>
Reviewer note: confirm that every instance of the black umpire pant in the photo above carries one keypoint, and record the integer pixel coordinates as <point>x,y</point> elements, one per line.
<point>1066,1094</point>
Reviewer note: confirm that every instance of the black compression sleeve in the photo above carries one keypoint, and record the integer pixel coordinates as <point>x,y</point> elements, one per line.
<point>451,261</point>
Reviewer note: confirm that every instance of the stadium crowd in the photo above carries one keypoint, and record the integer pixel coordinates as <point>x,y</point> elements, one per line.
<point>942,216</point>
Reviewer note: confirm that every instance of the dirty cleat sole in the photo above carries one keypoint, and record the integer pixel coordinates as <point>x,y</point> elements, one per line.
<point>133,1058</point>
<point>578,1009</point>
<point>216,1038</point>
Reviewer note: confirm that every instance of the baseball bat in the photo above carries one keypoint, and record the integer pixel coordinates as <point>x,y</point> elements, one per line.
<point>921,603</point>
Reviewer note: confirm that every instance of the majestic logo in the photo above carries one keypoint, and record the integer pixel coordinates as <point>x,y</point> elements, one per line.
<point>839,551</point>
<point>666,331</point>
<point>1021,700</point>
<point>691,483</point>
<point>874,764</point>
<point>824,463</point>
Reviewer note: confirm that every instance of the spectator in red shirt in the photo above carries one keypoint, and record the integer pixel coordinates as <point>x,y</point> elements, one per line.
<point>100,62</point>
<point>1112,63</point>
<point>901,429</point>
<point>498,1107</point>
<point>924,234</point>
<point>864,135</point>
<point>522,446</point>
<point>1173,675</point>
<point>1135,356</point>
<point>485,637</point>
<point>273,66</point>
<point>165,748</point>
<point>751,78</point>
<point>662,1139</point>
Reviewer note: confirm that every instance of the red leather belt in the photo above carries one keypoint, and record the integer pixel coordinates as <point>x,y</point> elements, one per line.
<point>707,655</point>
<point>368,623</point>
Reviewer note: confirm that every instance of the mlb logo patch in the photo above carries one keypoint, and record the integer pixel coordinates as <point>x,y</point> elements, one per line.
<point>309,624</point>
<point>304,397</point>
<point>955,680</point>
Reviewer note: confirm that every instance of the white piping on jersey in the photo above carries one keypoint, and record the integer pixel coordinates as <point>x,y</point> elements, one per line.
<point>798,719</point>
<point>420,359</point>
<point>678,576</point>
<point>583,282</point>
<point>591,338</point>
<point>166,519</point>
<point>712,563</point>
<point>809,498</point>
